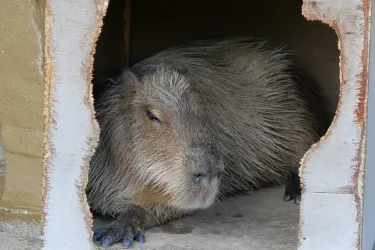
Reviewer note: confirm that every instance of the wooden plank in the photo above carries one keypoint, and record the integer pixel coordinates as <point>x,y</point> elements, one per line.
<point>71,132</point>
<point>333,170</point>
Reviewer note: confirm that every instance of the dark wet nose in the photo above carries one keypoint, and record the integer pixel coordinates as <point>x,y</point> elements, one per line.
<point>207,166</point>
<point>217,173</point>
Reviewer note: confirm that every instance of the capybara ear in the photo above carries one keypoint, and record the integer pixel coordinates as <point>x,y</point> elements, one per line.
<point>129,81</point>
<point>128,77</point>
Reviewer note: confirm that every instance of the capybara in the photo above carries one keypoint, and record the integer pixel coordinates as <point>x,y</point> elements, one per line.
<point>196,123</point>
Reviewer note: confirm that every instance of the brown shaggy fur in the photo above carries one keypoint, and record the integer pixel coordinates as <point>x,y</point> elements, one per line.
<point>233,105</point>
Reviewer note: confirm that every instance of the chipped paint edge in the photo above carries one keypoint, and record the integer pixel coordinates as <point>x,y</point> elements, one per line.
<point>356,191</point>
<point>50,235</point>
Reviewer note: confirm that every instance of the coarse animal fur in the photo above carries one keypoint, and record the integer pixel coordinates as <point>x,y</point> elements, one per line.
<point>195,123</point>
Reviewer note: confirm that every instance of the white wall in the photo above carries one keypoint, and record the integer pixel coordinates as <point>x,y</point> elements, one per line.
<point>72,28</point>
<point>333,171</point>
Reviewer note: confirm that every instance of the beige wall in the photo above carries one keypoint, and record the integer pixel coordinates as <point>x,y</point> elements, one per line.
<point>21,104</point>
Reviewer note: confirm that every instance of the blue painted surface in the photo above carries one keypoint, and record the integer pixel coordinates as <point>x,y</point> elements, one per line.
<point>368,233</point>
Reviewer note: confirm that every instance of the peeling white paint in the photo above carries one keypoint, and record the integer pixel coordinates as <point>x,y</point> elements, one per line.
<point>331,167</point>
<point>331,207</point>
<point>72,26</point>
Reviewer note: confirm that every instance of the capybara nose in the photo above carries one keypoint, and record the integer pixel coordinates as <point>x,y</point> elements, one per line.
<point>210,174</point>
<point>206,165</point>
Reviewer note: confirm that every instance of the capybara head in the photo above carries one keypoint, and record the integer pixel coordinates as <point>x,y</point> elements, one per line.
<point>176,160</point>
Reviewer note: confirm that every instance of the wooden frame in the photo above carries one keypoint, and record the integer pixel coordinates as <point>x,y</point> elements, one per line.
<point>332,171</point>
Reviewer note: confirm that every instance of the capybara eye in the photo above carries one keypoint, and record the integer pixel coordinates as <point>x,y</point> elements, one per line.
<point>152,117</point>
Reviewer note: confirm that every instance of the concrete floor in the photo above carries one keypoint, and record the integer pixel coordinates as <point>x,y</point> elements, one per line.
<point>19,235</point>
<point>259,222</point>
<point>256,222</point>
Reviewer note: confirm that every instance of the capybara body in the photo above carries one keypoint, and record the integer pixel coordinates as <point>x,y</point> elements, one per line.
<point>195,123</point>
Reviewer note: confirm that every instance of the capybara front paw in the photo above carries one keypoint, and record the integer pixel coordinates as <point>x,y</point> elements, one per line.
<point>126,234</point>
<point>293,189</point>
